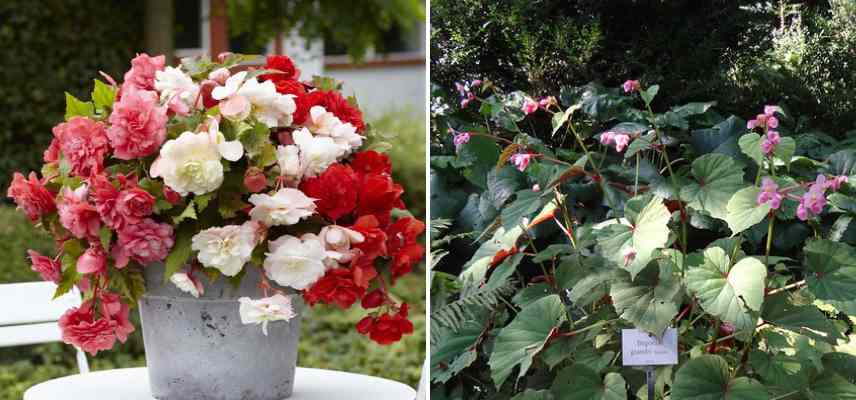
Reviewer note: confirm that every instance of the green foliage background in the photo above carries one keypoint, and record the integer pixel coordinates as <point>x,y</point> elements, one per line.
<point>738,53</point>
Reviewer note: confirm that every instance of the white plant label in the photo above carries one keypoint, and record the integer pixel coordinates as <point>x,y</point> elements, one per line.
<point>641,348</point>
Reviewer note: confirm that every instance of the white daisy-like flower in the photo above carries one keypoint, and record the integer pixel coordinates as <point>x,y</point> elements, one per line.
<point>295,262</point>
<point>286,207</point>
<point>226,248</point>
<point>264,310</point>
<point>190,164</point>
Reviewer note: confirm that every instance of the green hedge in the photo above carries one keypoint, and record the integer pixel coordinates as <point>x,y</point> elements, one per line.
<point>49,47</point>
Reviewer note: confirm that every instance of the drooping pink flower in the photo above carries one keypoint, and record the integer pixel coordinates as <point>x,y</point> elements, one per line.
<point>138,125</point>
<point>49,269</point>
<point>836,182</point>
<point>83,142</point>
<point>621,142</point>
<point>530,106</point>
<point>521,161</point>
<point>219,75</point>
<point>31,196</point>
<point>476,83</point>
<point>141,76</point>
<point>813,200</point>
<point>116,312</point>
<point>769,142</point>
<point>145,243</point>
<point>631,86</point>
<point>460,139</point>
<point>80,328</point>
<point>93,260</point>
<point>607,138</point>
<point>770,194</point>
<point>77,215</point>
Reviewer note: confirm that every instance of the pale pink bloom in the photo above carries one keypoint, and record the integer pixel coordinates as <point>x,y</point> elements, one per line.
<point>83,142</point>
<point>772,122</point>
<point>145,243</point>
<point>462,90</point>
<point>530,106</point>
<point>138,125</point>
<point>265,310</point>
<point>235,108</point>
<point>836,182</point>
<point>92,261</point>
<point>770,194</point>
<point>223,56</point>
<point>607,138</point>
<point>31,196</point>
<point>631,86</point>
<point>460,139</point>
<point>629,256</point>
<point>476,83</point>
<point>49,269</point>
<point>621,142</point>
<point>141,76</point>
<point>219,75</point>
<point>536,188</point>
<point>770,110</point>
<point>813,200</point>
<point>521,161</point>
<point>769,142</point>
<point>77,215</point>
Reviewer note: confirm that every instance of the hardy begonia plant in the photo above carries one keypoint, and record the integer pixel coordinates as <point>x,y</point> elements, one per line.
<point>212,168</point>
<point>594,213</point>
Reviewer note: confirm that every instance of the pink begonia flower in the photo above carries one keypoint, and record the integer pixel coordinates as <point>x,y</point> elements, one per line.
<point>530,106</point>
<point>621,142</point>
<point>236,108</point>
<point>77,215</point>
<point>84,144</point>
<point>92,261</point>
<point>460,139</point>
<point>51,155</point>
<point>138,125</point>
<point>219,75</point>
<point>141,76</point>
<point>836,182</point>
<point>767,119</point>
<point>536,188</point>
<point>607,138</point>
<point>134,204</point>
<point>476,83</point>
<point>629,256</point>
<point>769,142</point>
<point>31,196</point>
<point>116,313</point>
<point>631,86</point>
<point>462,90</point>
<point>521,161</point>
<point>770,110</point>
<point>772,122</point>
<point>80,328</point>
<point>770,193</point>
<point>145,243</point>
<point>813,200</point>
<point>49,269</point>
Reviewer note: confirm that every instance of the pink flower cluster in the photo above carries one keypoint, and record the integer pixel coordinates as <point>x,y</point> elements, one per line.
<point>811,203</point>
<point>459,138</point>
<point>83,143</point>
<point>530,105</point>
<point>137,124</point>
<point>630,86</point>
<point>521,160</point>
<point>82,328</point>
<point>31,196</point>
<point>620,140</point>
<point>766,120</point>
<point>770,194</point>
<point>769,142</point>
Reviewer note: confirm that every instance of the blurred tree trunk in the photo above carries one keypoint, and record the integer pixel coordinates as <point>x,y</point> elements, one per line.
<point>158,23</point>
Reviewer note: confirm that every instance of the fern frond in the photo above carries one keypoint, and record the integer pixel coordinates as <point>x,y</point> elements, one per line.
<point>456,313</point>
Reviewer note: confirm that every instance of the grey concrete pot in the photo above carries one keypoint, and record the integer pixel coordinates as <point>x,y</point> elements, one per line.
<point>198,349</point>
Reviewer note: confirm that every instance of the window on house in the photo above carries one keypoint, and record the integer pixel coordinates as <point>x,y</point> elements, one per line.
<point>394,40</point>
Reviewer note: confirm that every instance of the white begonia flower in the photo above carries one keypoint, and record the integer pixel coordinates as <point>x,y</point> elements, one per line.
<point>226,248</point>
<point>231,87</point>
<point>295,262</point>
<point>337,242</point>
<point>173,82</point>
<point>324,123</point>
<point>190,164</point>
<point>187,284</point>
<point>231,150</point>
<point>288,158</point>
<point>269,107</point>
<point>286,207</point>
<point>316,152</point>
<point>264,310</point>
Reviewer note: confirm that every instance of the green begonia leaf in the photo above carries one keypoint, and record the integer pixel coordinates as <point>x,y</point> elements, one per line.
<point>579,382</point>
<point>718,177</point>
<point>644,230</point>
<point>649,301</point>
<point>832,273</point>
<point>524,337</point>
<point>709,378</point>
<point>729,292</point>
<point>743,210</point>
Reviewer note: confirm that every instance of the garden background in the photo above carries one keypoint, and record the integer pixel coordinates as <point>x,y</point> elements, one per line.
<point>55,46</point>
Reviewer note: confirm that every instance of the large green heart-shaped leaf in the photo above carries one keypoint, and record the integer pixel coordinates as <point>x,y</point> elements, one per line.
<point>780,371</point>
<point>524,337</point>
<point>743,210</point>
<point>831,386</point>
<point>709,378</point>
<point>717,177</point>
<point>832,273</point>
<point>651,300</point>
<point>454,350</point>
<point>729,293</point>
<point>631,242</point>
<point>780,311</point>
<point>579,382</point>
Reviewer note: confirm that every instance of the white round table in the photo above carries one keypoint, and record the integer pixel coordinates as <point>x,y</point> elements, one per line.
<point>133,384</point>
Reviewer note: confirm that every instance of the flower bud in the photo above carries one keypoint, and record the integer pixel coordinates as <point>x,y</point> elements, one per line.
<point>373,299</point>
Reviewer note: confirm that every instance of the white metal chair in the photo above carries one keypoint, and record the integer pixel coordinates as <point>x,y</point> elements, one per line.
<point>422,392</point>
<point>29,316</point>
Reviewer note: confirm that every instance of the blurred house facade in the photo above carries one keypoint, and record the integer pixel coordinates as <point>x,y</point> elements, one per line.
<point>393,81</point>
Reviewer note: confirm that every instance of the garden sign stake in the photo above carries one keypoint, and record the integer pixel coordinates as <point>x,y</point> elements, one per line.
<point>642,349</point>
